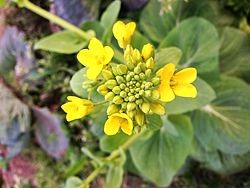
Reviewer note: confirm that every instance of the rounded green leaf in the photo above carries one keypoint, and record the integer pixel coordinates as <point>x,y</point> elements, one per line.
<point>159,157</point>
<point>154,25</point>
<point>205,94</point>
<point>235,52</point>
<point>164,56</point>
<point>224,124</point>
<point>199,42</point>
<point>110,143</point>
<point>65,42</point>
<point>76,83</point>
<point>220,162</point>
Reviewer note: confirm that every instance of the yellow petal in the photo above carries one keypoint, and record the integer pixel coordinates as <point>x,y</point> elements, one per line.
<point>119,30</point>
<point>74,99</point>
<point>130,29</point>
<point>166,73</point>
<point>112,125</point>
<point>166,93</point>
<point>94,71</point>
<point>126,124</point>
<point>109,53</point>
<point>185,90</point>
<point>95,46</point>
<point>87,58</point>
<point>185,76</point>
<point>69,107</point>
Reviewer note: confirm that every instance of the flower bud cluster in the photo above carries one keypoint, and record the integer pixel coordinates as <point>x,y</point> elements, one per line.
<point>131,88</point>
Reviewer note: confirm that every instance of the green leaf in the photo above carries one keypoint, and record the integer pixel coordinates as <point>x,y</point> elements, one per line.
<point>220,162</point>
<point>76,83</point>
<point>110,143</point>
<point>164,56</point>
<point>65,42</point>
<point>73,182</point>
<point>115,172</point>
<point>95,26</point>
<point>159,157</point>
<point>181,104</point>
<point>154,122</point>
<point>199,43</point>
<point>138,40</point>
<point>109,17</point>
<point>224,125</point>
<point>154,25</point>
<point>234,52</point>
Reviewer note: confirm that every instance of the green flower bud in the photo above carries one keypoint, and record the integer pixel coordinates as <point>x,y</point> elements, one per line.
<point>102,89</point>
<point>119,79</point>
<point>137,96</point>
<point>122,86</point>
<point>137,85</point>
<point>131,114</point>
<point>155,94</point>
<point>130,94</point>
<point>114,70</point>
<point>142,76</point>
<point>137,77</point>
<point>123,94</point>
<point>139,101</point>
<point>128,78</point>
<point>127,89</point>
<point>131,74</point>
<point>109,96</point>
<point>156,81</point>
<point>130,65</point>
<point>131,99</point>
<point>141,92</point>
<point>148,93</point>
<point>137,89</point>
<point>150,63</point>
<point>131,106</point>
<point>124,105</point>
<point>126,99</point>
<point>116,90</point>
<point>137,70</point>
<point>157,108</point>
<point>122,69</point>
<point>113,108</point>
<point>107,75</point>
<point>117,100</point>
<point>111,84</point>
<point>148,73</point>
<point>145,107</point>
<point>142,66</point>
<point>140,118</point>
<point>148,85</point>
<point>136,55</point>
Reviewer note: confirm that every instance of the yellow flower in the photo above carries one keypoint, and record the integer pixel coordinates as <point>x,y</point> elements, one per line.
<point>176,83</point>
<point>77,108</point>
<point>117,121</point>
<point>95,57</point>
<point>123,32</point>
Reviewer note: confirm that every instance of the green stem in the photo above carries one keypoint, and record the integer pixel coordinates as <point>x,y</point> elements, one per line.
<point>111,157</point>
<point>53,18</point>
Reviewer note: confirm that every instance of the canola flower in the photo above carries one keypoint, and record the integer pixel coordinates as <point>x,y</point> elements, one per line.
<point>133,90</point>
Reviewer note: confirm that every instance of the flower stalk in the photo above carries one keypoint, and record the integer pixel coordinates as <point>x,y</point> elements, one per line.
<point>53,18</point>
<point>116,153</point>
